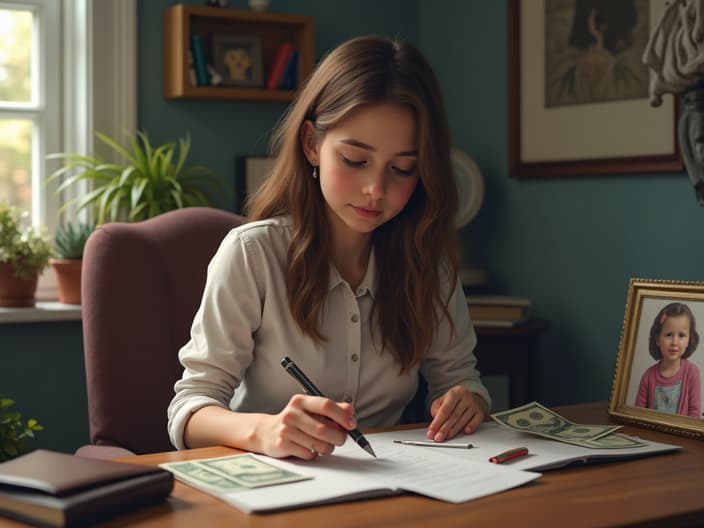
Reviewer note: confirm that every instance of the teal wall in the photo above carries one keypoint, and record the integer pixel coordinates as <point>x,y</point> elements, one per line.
<point>570,244</point>
<point>41,368</point>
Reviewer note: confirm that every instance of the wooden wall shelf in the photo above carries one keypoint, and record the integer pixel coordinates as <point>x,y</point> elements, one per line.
<point>183,20</point>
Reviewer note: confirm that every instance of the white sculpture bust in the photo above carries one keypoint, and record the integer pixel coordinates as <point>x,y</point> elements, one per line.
<point>675,53</point>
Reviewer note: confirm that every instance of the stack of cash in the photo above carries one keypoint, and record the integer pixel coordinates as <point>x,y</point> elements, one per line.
<point>536,419</point>
<point>230,473</point>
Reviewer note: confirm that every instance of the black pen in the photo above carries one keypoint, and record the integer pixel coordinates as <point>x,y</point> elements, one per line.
<point>311,389</point>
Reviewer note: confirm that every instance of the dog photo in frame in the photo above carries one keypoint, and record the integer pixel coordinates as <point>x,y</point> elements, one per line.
<point>238,59</point>
<point>657,381</point>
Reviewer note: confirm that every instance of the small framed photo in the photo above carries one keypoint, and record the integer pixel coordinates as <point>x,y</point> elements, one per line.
<point>251,171</point>
<point>238,59</point>
<point>657,381</point>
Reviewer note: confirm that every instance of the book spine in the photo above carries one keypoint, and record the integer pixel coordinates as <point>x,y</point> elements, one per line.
<point>289,80</point>
<point>191,70</point>
<point>278,64</point>
<point>199,61</point>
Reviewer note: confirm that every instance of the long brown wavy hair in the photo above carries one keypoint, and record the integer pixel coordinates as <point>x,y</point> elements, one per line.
<point>416,252</point>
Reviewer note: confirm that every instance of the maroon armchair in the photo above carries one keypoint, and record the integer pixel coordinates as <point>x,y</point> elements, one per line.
<point>141,286</point>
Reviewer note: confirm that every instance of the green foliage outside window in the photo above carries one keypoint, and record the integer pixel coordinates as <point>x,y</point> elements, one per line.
<point>16,87</point>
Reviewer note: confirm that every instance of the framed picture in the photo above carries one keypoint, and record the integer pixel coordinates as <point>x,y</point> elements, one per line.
<point>578,90</point>
<point>238,59</point>
<point>251,171</point>
<point>658,382</point>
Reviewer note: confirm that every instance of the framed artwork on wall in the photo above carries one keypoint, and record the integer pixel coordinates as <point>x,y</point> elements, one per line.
<point>657,381</point>
<point>250,173</point>
<point>579,92</point>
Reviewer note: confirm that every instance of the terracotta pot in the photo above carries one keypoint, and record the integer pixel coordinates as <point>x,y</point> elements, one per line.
<point>16,292</point>
<point>68,278</point>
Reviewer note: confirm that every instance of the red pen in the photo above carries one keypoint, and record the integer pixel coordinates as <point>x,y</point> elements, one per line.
<point>509,455</point>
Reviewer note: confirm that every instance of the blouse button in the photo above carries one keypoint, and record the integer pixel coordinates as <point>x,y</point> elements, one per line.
<point>355,357</point>
<point>354,318</point>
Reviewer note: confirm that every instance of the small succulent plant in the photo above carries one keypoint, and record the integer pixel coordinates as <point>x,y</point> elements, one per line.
<point>70,240</point>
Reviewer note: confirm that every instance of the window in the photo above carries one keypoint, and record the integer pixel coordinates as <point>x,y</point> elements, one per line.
<point>29,102</point>
<point>67,67</point>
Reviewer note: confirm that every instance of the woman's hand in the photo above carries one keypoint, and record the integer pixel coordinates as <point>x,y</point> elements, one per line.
<point>307,426</point>
<point>457,410</point>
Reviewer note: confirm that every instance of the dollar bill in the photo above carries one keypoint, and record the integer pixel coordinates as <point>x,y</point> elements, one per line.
<point>614,441</point>
<point>250,471</point>
<point>193,473</point>
<point>539,420</point>
<point>231,473</point>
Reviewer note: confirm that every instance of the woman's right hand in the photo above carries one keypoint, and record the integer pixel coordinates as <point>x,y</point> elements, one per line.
<point>306,427</point>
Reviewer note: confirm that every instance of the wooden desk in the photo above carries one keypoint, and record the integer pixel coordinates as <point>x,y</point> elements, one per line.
<point>663,490</point>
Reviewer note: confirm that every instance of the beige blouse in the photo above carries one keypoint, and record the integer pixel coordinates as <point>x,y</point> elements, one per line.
<point>244,328</point>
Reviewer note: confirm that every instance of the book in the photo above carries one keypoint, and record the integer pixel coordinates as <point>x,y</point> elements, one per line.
<point>278,65</point>
<point>57,489</point>
<point>543,454</point>
<point>497,323</point>
<point>289,80</point>
<point>199,61</point>
<point>191,70</point>
<point>497,307</point>
<point>351,474</point>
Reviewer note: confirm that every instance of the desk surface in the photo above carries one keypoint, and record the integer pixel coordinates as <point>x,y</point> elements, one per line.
<point>663,490</point>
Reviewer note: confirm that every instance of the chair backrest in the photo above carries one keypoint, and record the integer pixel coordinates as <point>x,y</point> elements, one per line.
<point>141,286</point>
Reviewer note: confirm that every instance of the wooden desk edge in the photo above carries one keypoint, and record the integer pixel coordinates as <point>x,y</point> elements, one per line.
<point>595,494</point>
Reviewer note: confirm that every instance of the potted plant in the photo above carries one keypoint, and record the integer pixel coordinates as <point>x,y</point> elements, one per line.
<point>24,253</point>
<point>69,244</point>
<point>149,181</point>
<point>14,431</point>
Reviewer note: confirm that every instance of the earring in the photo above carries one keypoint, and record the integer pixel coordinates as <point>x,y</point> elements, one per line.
<point>315,172</point>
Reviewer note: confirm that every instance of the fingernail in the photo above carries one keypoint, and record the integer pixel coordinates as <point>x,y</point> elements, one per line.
<point>438,437</point>
<point>430,434</point>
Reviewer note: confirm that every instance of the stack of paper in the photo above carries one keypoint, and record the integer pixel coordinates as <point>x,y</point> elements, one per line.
<point>350,474</point>
<point>255,483</point>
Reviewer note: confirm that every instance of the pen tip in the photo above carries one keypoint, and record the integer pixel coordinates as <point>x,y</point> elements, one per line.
<point>369,450</point>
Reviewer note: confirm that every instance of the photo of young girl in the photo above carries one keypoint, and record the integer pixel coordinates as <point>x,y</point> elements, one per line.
<point>673,384</point>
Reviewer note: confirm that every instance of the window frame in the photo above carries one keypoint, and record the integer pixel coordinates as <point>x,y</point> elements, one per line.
<point>90,60</point>
<point>44,108</point>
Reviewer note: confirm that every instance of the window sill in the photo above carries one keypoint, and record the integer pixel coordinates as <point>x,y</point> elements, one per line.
<point>42,312</point>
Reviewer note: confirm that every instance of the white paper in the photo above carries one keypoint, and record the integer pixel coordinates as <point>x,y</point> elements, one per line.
<point>351,473</point>
<point>543,454</point>
<point>452,475</point>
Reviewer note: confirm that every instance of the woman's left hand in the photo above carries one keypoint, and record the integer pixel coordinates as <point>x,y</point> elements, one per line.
<point>457,410</point>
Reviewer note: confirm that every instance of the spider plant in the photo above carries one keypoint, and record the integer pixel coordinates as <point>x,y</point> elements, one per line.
<point>150,181</point>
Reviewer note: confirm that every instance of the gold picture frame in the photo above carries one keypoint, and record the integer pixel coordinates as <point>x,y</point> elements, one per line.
<point>647,307</point>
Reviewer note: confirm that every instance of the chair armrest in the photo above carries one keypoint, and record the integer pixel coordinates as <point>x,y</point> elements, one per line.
<point>103,451</point>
